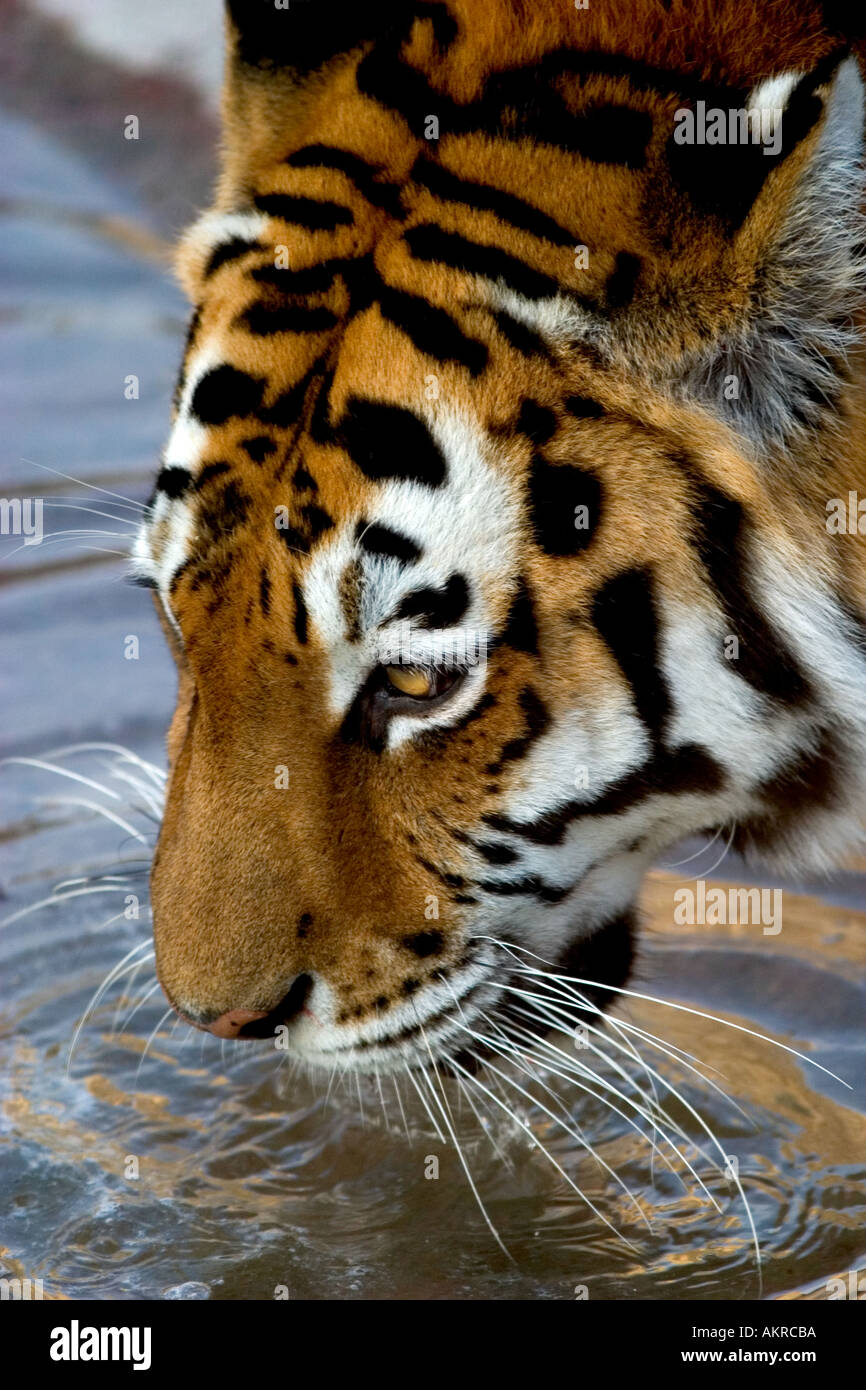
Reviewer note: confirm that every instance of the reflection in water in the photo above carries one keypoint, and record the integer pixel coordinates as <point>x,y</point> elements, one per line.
<point>165,1164</point>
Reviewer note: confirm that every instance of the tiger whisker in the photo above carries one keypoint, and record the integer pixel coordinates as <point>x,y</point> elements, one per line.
<point>44,766</point>
<point>385,1114</point>
<point>568,980</point>
<point>93,511</point>
<point>140,1004</point>
<point>440,1136</point>
<point>57,536</point>
<point>127,991</point>
<point>538,1144</point>
<point>113,974</point>
<point>649,1070</point>
<point>101,811</point>
<point>509,1050</point>
<point>717,1144</point>
<point>56,899</point>
<point>166,1015</point>
<point>485,1128</point>
<point>445,1110</point>
<point>724,854</point>
<point>80,482</point>
<point>577,1073</point>
<point>667,1084</point>
<point>679,863</point>
<point>156,774</point>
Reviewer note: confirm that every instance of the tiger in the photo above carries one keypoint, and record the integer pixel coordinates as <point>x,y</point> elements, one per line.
<point>506,532</point>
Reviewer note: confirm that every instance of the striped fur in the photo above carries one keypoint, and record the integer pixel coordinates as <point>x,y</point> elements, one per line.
<point>466,324</point>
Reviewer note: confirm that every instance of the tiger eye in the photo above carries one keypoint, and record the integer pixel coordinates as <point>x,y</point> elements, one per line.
<point>411,680</point>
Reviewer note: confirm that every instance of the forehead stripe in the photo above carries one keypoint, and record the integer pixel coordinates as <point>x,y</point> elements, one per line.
<point>365,177</point>
<point>386,441</point>
<point>173,482</point>
<point>436,608</point>
<point>311,213</point>
<point>224,392</point>
<point>381,540</point>
<point>231,250</point>
<point>432,330</point>
<point>430,243</point>
<point>481,196</point>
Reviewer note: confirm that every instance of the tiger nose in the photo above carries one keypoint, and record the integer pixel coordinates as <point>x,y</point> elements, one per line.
<point>229,1024</point>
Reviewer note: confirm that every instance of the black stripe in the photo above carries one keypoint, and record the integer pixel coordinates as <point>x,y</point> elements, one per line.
<point>191,331</point>
<point>265,319</point>
<point>524,340</point>
<point>173,482</point>
<point>303,480</point>
<point>494,853</point>
<point>300,614</point>
<point>725,180</point>
<point>259,448</point>
<point>385,441</point>
<point>357,272</point>
<point>437,608</point>
<point>286,409</point>
<point>314,214</point>
<point>221,512</point>
<point>432,330</point>
<point>428,242</point>
<point>230,251</point>
<point>536,722</point>
<point>367,178</point>
<point>522,103</point>
<point>425,943</point>
<point>556,491</point>
<point>482,197</point>
<point>620,287</point>
<point>381,540</point>
<point>584,408</point>
<point>314,279</point>
<point>685,770</point>
<point>537,422</point>
<point>303,36</point>
<point>606,956</point>
<point>530,887</point>
<point>321,429</point>
<point>265,591</point>
<point>723,540</point>
<point>210,470</point>
<point>521,628</point>
<point>624,613</point>
<point>810,780</point>
<point>316,521</point>
<point>225,392</point>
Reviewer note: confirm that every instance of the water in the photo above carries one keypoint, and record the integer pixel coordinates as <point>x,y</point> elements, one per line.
<point>168,1165</point>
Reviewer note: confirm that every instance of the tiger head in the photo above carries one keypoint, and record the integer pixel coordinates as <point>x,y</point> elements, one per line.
<point>491,533</point>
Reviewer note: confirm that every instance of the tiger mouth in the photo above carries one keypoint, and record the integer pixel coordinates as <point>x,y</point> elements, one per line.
<point>436,1037</point>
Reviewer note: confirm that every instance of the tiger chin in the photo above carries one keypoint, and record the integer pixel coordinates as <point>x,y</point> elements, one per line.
<point>490,534</point>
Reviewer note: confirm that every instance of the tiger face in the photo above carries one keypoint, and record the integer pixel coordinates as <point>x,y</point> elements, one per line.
<point>490,534</point>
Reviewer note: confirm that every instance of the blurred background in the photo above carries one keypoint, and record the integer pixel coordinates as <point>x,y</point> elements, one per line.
<point>88,220</point>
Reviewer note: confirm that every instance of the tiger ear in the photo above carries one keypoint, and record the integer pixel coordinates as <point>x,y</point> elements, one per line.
<point>792,223</point>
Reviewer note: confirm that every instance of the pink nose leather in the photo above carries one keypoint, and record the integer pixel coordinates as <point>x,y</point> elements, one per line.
<point>228,1025</point>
